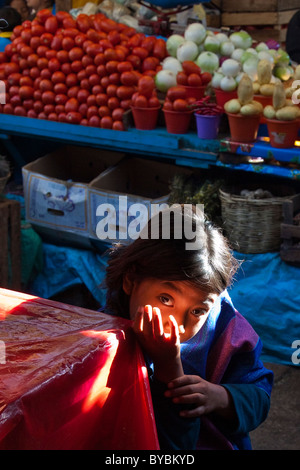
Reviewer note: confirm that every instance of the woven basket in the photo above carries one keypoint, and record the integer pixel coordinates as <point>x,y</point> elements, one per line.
<point>252,225</point>
<point>3,181</point>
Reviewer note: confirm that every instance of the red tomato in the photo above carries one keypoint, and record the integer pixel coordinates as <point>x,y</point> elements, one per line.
<point>14,78</point>
<point>153,102</point>
<point>26,92</point>
<point>28,104</point>
<point>176,92</point>
<point>61,99</point>
<point>20,111</point>
<point>67,43</point>
<point>114,78</point>
<point>25,81</point>
<point>125,92</point>
<point>206,77</point>
<point>140,52</point>
<point>82,96</point>
<point>98,60</point>
<point>148,43</point>
<point>37,29</point>
<point>146,86</point>
<point>76,53</point>
<point>128,78</point>
<point>62,56</point>
<point>53,65</point>
<point>150,63</point>
<point>93,49</point>
<point>111,66</point>
<point>160,49</point>
<point>48,97</point>
<point>101,99</point>
<point>113,102</point>
<point>71,80</point>
<point>118,126</point>
<point>42,15</point>
<point>60,88</point>
<point>110,54</point>
<point>45,85</point>
<point>73,117</point>
<point>124,66</point>
<point>117,114</point>
<point>71,105</point>
<point>94,121</point>
<point>190,67</point>
<point>111,90</point>
<point>72,92</point>
<point>51,24</point>
<point>104,111</point>
<point>141,101</point>
<point>31,114</point>
<point>106,122</point>
<point>76,66</point>
<point>182,78</point>
<point>58,77</point>
<point>168,106</point>
<point>83,22</point>
<point>35,42</point>
<point>194,80</point>
<point>180,105</point>
<point>134,60</point>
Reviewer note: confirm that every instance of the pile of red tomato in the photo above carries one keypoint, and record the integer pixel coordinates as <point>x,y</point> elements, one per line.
<point>191,75</point>
<point>177,100</point>
<point>81,71</point>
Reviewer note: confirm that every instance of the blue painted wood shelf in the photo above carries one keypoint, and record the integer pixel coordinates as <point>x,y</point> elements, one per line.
<point>183,149</point>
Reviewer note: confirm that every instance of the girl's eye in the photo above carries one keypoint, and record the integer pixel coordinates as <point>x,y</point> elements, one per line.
<point>198,312</point>
<point>166,300</point>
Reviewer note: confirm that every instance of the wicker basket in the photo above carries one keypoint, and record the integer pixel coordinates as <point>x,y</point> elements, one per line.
<point>3,181</point>
<point>252,225</point>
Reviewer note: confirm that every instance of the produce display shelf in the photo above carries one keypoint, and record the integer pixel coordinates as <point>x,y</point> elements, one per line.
<point>262,148</point>
<point>183,149</point>
<point>255,166</point>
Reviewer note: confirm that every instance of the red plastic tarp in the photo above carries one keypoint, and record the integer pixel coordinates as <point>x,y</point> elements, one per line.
<point>70,378</point>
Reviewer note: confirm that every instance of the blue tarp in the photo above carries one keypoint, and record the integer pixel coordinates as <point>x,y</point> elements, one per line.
<point>266,292</point>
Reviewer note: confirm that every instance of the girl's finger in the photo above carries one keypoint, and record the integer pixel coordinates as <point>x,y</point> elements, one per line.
<point>147,320</point>
<point>174,328</point>
<point>138,320</point>
<point>158,328</point>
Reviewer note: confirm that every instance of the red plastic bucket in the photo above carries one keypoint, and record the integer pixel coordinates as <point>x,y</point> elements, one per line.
<point>282,133</point>
<point>243,128</point>
<point>207,126</point>
<point>223,96</point>
<point>195,91</point>
<point>145,119</point>
<point>177,122</point>
<point>265,101</point>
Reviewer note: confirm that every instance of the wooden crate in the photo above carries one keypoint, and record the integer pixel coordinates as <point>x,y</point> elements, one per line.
<point>10,248</point>
<point>264,18</point>
<point>258,5</point>
<point>290,231</point>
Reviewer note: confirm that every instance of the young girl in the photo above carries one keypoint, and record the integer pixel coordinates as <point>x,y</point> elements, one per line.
<point>209,387</point>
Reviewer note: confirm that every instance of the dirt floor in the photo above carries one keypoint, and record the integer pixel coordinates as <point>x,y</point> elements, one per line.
<point>281,430</point>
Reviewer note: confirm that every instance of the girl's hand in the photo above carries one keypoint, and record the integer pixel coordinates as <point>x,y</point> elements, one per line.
<point>205,396</point>
<point>162,348</point>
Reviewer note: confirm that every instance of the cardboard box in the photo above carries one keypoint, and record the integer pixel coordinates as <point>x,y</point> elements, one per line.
<point>56,192</point>
<point>114,194</point>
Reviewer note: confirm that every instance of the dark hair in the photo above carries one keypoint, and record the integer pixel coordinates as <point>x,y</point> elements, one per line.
<point>209,267</point>
<point>10,18</point>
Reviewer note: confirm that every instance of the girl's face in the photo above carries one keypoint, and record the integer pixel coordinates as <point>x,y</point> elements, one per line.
<point>189,306</point>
